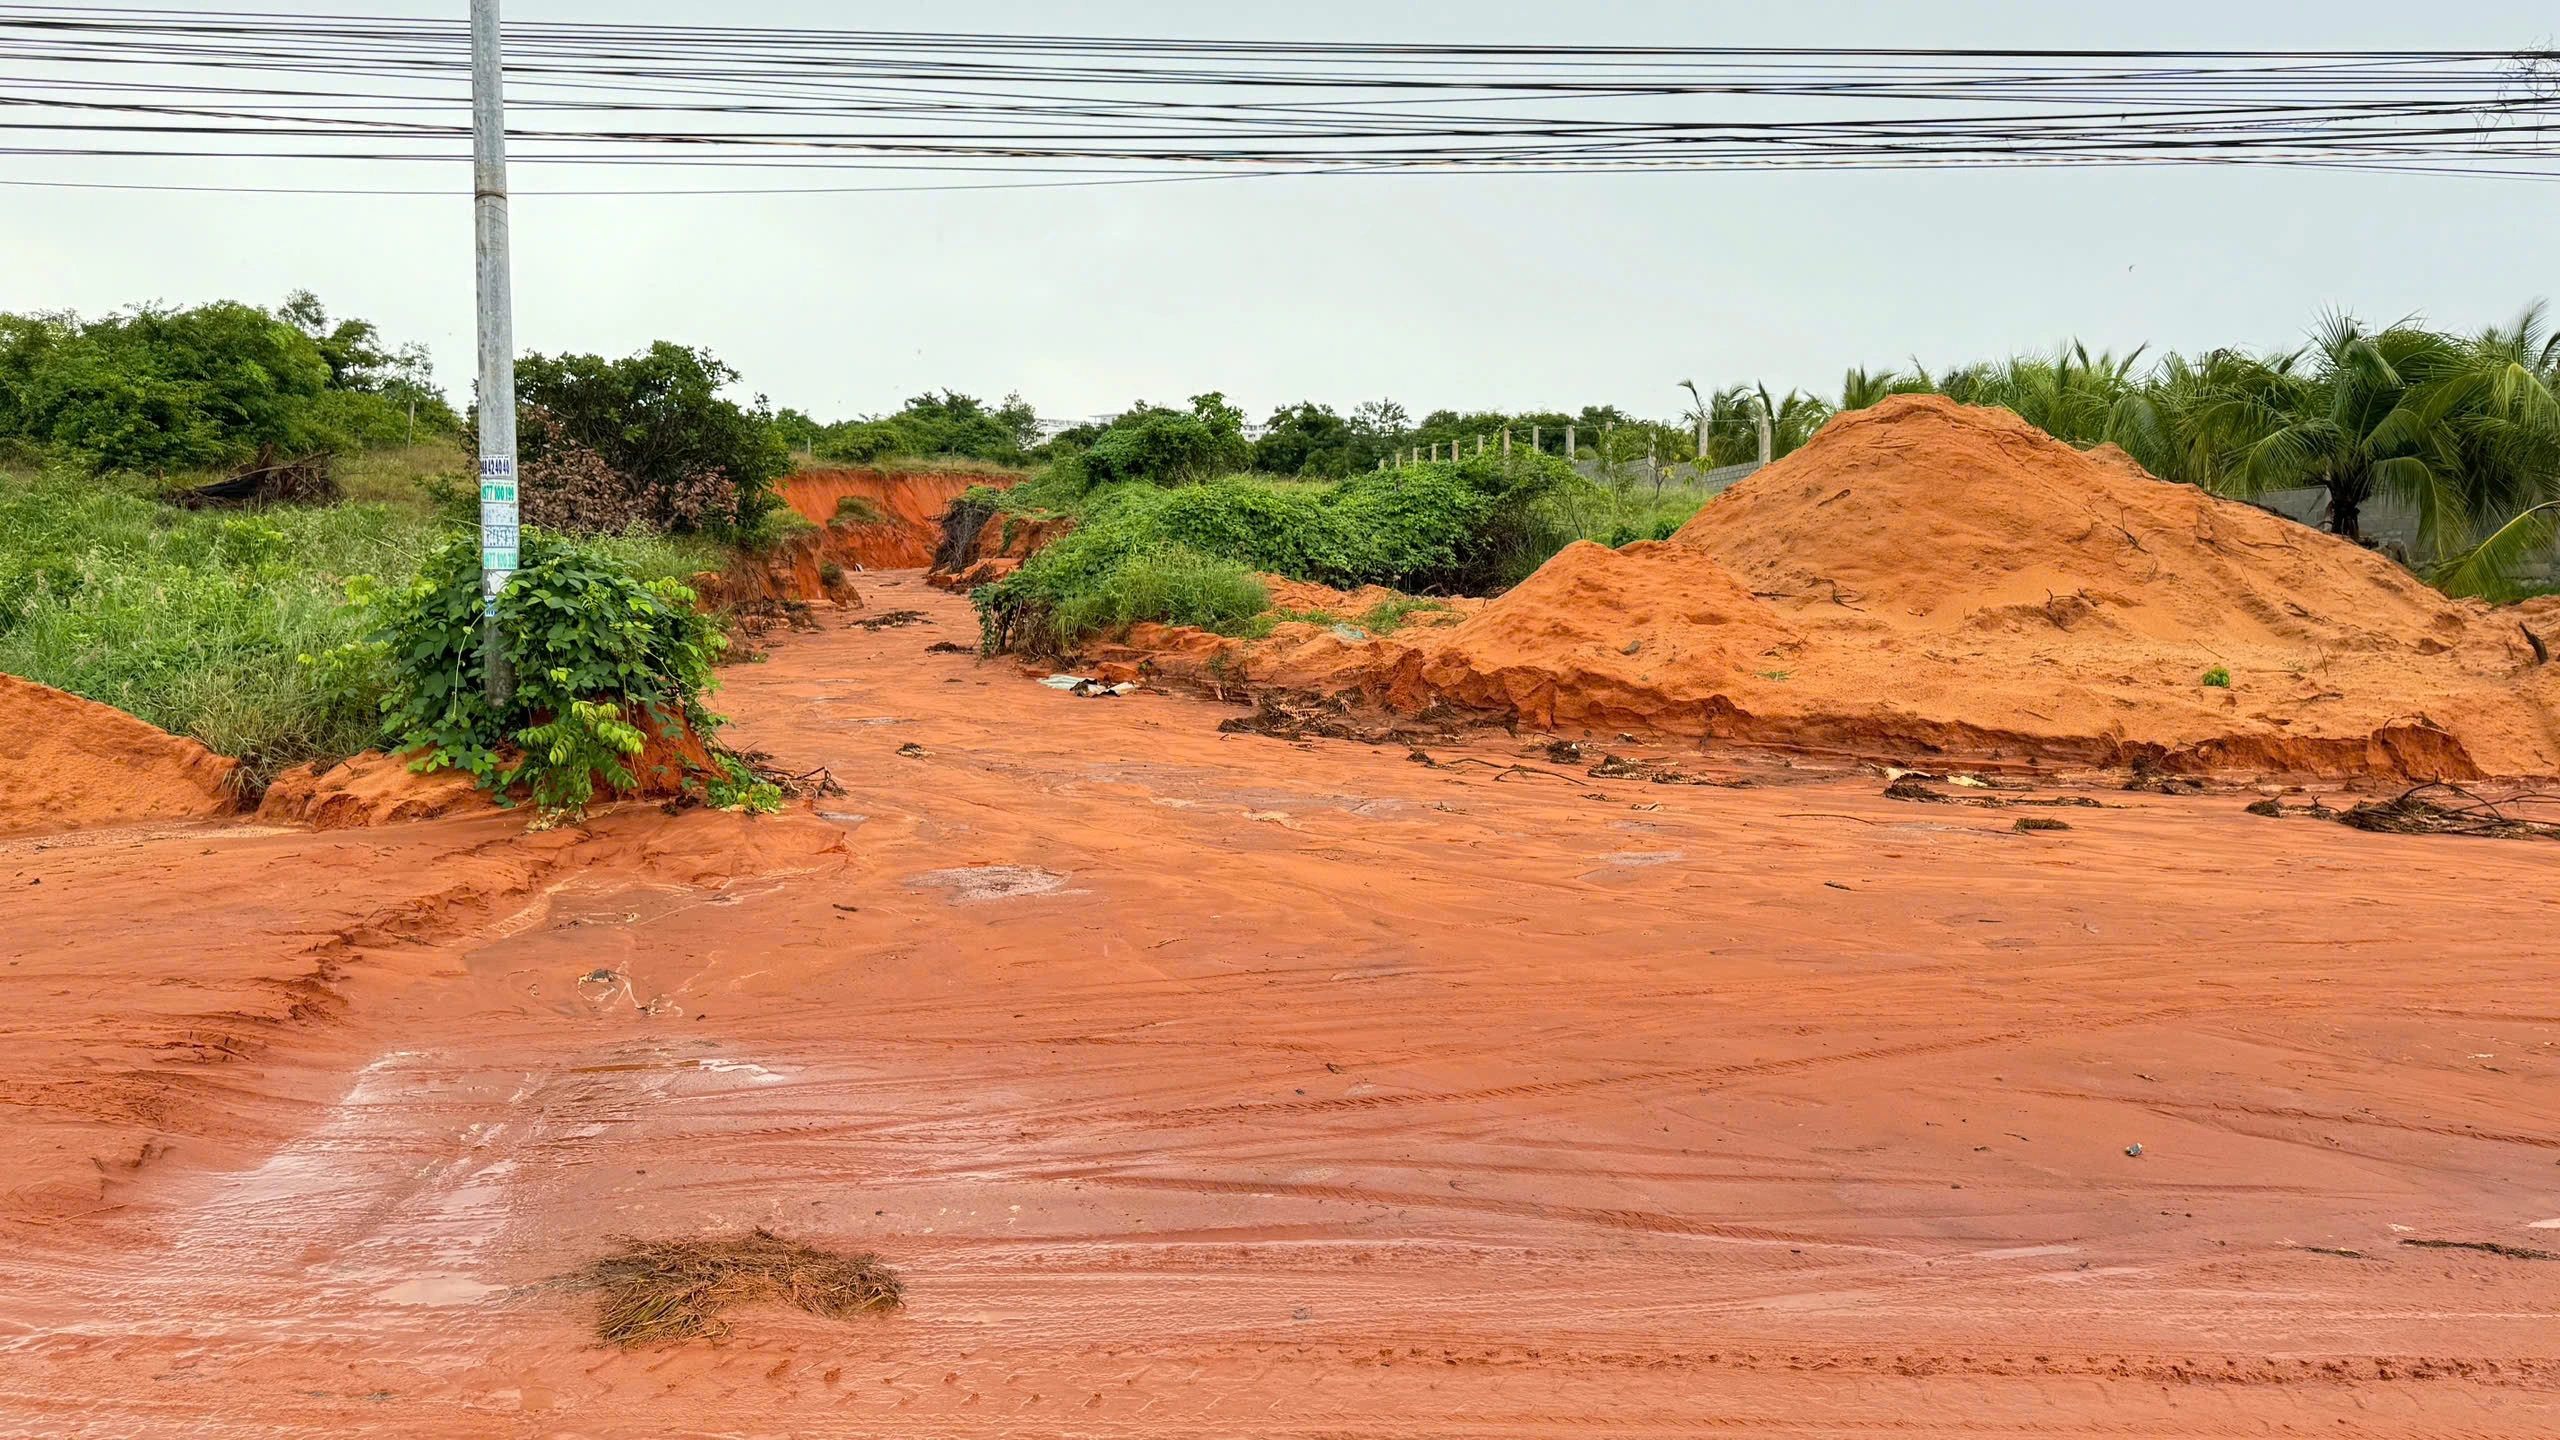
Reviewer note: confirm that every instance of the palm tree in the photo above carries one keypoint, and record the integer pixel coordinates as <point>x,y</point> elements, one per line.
<point>1861,387</point>
<point>2359,413</point>
<point>2502,400</point>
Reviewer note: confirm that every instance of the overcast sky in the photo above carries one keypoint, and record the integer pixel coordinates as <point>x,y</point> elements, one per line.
<point>1458,290</point>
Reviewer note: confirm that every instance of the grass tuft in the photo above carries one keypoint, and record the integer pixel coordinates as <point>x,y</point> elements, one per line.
<point>662,1291</point>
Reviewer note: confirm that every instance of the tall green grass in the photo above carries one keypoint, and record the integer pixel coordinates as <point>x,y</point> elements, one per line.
<point>201,622</point>
<point>197,623</point>
<point>1168,583</point>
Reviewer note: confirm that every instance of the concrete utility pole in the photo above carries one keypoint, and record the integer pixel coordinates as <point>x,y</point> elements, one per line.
<point>1570,454</point>
<point>1766,437</point>
<point>497,338</point>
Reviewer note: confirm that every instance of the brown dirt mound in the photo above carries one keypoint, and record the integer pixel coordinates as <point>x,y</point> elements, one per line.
<point>1927,578</point>
<point>71,764</point>
<point>367,790</point>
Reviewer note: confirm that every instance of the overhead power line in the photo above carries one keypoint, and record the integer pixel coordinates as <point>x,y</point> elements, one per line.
<point>133,83</point>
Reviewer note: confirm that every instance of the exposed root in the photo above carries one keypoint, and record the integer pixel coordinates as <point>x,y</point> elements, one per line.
<point>798,785</point>
<point>1295,715</point>
<point>1911,787</point>
<point>1654,772</point>
<point>2485,1247</point>
<point>892,620</point>
<point>659,1291</point>
<point>2410,813</point>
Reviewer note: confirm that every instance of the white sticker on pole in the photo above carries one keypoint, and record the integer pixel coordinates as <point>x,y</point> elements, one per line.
<point>498,536</point>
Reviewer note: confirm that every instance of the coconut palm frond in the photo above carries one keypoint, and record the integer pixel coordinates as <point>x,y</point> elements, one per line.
<point>2432,491</point>
<point>2489,568</point>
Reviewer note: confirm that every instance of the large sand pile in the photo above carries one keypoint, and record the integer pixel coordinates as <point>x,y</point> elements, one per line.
<point>1926,578</point>
<point>68,764</point>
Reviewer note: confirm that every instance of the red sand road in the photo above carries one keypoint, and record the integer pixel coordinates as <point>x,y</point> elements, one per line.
<point>1209,1085</point>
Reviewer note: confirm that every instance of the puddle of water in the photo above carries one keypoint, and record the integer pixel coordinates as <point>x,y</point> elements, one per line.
<point>980,883</point>
<point>438,1290</point>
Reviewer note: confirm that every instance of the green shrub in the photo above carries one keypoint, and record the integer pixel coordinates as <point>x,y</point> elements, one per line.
<point>1474,525</point>
<point>693,460</point>
<point>597,651</point>
<point>1160,448</point>
<point>940,425</point>
<point>1286,530</point>
<point>1114,569</point>
<point>2218,677</point>
<point>1154,445</point>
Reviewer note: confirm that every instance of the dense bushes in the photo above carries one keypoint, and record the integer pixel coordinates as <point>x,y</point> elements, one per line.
<point>685,459</point>
<point>161,389</point>
<point>1153,445</point>
<point>1186,555</point>
<point>932,426</point>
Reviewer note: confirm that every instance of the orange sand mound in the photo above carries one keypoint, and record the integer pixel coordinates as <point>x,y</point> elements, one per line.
<point>374,789</point>
<point>68,764</point>
<point>1926,578</point>
<point>367,790</point>
<point>1306,595</point>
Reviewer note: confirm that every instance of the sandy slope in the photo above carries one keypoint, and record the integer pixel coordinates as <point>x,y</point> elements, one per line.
<point>1927,579</point>
<point>1204,1086</point>
<point>66,761</point>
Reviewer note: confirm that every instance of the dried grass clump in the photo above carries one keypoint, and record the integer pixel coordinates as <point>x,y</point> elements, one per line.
<point>667,1290</point>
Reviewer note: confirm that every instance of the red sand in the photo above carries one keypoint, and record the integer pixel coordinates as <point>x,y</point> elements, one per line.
<point>910,504</point>
<point>1925,580</point>
<point>1208,1085</point>
<point>69,762</point>
<point>368,789</point>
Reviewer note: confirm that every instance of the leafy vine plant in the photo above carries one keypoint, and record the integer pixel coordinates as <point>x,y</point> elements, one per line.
<point>603,661</point>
